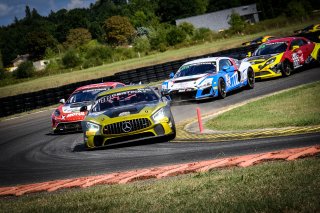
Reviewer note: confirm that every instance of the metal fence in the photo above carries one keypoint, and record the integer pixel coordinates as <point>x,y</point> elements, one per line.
<point>28,101</point>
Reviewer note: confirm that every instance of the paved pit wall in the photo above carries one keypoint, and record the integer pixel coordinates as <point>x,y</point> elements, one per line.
<point>34,100</point>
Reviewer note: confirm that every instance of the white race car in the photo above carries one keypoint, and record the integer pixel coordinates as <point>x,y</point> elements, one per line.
<point>207,78</point>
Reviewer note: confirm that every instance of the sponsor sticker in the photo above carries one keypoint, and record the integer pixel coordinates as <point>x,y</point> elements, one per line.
<point>75,114</point>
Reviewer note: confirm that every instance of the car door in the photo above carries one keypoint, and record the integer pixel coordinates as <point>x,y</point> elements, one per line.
<point>297,54</point>
<point>231,77</point>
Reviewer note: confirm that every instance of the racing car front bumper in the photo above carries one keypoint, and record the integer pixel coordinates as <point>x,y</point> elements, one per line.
<point>268,72</point>
<point>191,94</point>
<point>68,127</point>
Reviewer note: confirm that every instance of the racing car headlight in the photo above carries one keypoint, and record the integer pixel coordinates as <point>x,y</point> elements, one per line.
<point>254,62</point>
<point>57,113</point>
<point>270,61</point>
<point>159,116</point>
<point>206,83</point>
<point>92,127</point>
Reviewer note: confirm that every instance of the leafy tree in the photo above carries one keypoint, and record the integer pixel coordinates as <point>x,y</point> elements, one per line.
<point>1,67</point>
<point>139,19</point>
<point>99,51</point>
<point>175,36</point>
<point>237,24</point>
<point>71,59</point>
<point>119,30</point>
<point>298,9</point>
<point>169,10</point>
<point>141,44</point>
<point>25,70</point>
<point>28,12</point>
<point>203,34</point>
<point>38,42</point>
<point>1,63</point>
<point>143,31</point>
<point>77,37</point>
<point>157,37</point>
<point>188,28</point>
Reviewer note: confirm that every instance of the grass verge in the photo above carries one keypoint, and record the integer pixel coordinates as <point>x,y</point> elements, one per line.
<point>269,187</point>
<point>110,69</point>
<point>296,107</point>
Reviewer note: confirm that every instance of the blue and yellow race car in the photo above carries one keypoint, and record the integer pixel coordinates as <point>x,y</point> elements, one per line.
<point>208,78</point>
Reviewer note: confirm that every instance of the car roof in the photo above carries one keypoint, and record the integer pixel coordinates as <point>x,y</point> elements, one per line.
<point>205,60</point>
<point>285,39</point>
<point>92,86</point>
<point>123,89</point>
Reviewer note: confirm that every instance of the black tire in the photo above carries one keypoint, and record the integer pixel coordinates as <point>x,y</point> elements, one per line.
<point>222,88</point>
<point>286,69</point>
<point>250,78</point>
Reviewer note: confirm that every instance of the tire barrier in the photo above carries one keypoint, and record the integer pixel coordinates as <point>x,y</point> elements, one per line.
<point>29,101</point>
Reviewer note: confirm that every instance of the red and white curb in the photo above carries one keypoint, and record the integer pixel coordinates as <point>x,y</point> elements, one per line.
<point>160,172</point>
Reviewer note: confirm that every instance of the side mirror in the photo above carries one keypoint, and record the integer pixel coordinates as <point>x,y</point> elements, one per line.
<point>228,68</point>
<point>171,75</point>
<point>62,101</point>
<point>83,109</point>
<point>249,54</point>
<point>225,68</point>
<point>295,47</point>
<point>166,98</point>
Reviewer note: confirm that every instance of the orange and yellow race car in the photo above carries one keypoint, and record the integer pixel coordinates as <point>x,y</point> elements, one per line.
<point>280,57</point>
<point>259,40</point>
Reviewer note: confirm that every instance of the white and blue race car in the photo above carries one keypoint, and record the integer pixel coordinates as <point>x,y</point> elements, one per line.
<point>208,78</point>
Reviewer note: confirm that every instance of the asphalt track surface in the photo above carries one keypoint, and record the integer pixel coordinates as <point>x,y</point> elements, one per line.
<point>30,153</point>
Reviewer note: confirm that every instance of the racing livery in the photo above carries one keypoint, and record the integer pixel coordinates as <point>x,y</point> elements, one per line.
<point>208,78</point>
<point>128,114</point>
<point>281,56</point>
<point>259,40</point>
<point>67,117</point>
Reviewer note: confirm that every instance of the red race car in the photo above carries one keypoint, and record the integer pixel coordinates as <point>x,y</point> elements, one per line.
<point>279,57</point>
<point>67,117</point>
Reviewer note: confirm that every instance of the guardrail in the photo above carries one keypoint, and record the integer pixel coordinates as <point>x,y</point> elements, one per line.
<point>28,101</point>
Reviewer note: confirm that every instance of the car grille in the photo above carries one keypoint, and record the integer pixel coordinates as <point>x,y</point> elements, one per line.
<point>186,80</point>
<point>180,96</point>
<point>73,126</point>
<point>126,126</point>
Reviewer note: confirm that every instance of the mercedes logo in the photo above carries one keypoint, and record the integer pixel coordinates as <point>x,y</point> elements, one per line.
<point>126,126</point>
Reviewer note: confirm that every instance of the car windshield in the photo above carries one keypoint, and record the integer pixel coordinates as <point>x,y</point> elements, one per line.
<point>85,95</point>
<point>196,69</point>
<point>271,48</point>
<point>118,99</point>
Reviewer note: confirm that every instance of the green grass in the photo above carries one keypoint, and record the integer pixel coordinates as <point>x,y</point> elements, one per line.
<point>269,187</point>
<point>296,107</point>
<point>110,69</point>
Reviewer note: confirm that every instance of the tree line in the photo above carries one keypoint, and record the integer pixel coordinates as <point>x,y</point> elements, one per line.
<point>102,33</point>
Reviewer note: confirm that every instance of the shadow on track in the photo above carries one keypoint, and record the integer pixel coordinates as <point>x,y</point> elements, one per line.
<point>81,147</point>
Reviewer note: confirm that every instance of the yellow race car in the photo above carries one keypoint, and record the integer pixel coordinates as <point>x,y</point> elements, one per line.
<point>279,57</point>
<point>309,29</point>
<point>128,114</point>
<point>259,40</point>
